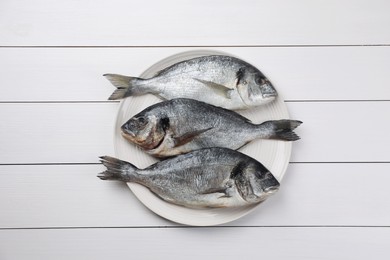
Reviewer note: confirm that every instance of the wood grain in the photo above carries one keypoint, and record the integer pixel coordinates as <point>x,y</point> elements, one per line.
<point>70,196</point>
<point>329,59</point>
<point>196,243</point>
<point>75,74</point>
<point>79,133</point>
<point>199,23</point>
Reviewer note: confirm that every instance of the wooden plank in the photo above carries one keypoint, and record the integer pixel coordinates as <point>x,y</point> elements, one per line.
<point>65,212</point>
<point>341,132</point>
<point>72,196</point>
<point>66,196</point>
<point>315,73</point>
<point>174,22</point>
<point>194,243</point>
<point>64,133</point>
<point>78,133</point>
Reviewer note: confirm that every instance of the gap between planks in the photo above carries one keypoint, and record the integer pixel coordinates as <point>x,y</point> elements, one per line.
<point>192,227</point>
<point>117,101</point>
<point>202,46</point>
<point>86,163</point>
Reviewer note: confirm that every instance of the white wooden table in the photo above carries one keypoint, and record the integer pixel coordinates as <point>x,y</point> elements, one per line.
<point>329,59</point>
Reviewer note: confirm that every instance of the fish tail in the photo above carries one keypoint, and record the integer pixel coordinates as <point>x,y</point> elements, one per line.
<point>125,86</point>
<point>280,129</point>
<point>117,169</point>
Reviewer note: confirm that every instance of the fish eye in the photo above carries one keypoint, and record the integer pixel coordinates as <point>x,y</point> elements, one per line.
<point>259,81</point>
<point>244,82</point>
<point>141,120</point>
<point>268,175</point>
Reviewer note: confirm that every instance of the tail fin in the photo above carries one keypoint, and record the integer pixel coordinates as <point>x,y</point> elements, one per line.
<point>116,169</point>
<point>124,85</point>
<point>281,129</point>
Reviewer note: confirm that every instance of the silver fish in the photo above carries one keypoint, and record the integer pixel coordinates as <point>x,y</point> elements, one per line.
<point>215,177</point>
<point>182,125</point>
<point>220,80</point>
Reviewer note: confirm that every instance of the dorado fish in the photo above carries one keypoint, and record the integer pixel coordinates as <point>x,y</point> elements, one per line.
<point>179,126</point>
<point>214,177</point>
<point>219,80</point>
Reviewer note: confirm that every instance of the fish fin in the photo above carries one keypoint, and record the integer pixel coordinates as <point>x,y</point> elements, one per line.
<point>224,196</point>
<point>214,190</point>
<point>231,113</point>
<point>282,129</point>
<point>222,190</point>
<point>220,89</point>
<point>124,85</point>
<point>119,93</point>
<point>188,137</point>
<point>116,169</point>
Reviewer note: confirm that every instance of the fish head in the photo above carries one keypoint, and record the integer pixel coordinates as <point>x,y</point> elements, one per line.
<point>145,130</point>
<point>255,183</point>
<point>254,88</point>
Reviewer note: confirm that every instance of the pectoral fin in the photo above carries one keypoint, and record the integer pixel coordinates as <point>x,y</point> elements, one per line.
<point>188,137</point>
<point>220,89</point>
<point>215,190</point>
<point>221,192</point>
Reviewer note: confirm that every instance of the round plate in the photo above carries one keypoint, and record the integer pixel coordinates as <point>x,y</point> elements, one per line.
<point>274,155</point>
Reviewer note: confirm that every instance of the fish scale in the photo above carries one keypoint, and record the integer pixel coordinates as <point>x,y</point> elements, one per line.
<point>182,125</point>
<point>211,177</point>
<point>220,80</point>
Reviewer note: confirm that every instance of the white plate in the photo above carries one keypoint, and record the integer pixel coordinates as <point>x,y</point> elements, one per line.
<point>275,155</point>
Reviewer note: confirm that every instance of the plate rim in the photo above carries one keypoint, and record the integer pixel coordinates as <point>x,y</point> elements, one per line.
<point>137,189</point>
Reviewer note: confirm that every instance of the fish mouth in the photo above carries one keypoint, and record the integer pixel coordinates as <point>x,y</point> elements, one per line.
<point>128,136</point>
<point>142,143</point>
<point>271,190</point>
<point>126,131</point>
<point>268,91</point>
<point>269,95</point>
<point>260,94</point>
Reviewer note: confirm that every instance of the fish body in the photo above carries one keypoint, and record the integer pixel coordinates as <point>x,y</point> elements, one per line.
<point>213,177</point>
<point>220,80</point>
<point>179,126</point>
